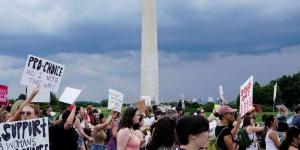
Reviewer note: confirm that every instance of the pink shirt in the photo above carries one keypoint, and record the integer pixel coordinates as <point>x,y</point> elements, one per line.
<point>133,143</point>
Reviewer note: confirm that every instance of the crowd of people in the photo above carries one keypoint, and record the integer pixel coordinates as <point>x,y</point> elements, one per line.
<point>78,128</point>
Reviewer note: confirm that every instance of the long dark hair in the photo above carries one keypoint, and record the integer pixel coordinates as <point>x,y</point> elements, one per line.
<point>163,134</point>
<point>247,121</point>
<point>126,121</point>
<point>268,120</point>
<point>291,133</point>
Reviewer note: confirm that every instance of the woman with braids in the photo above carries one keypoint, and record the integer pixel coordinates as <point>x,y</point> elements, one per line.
<point>292,139</point>
<point>126,137</point>
<point>272,138</point>
<point>163,136</point>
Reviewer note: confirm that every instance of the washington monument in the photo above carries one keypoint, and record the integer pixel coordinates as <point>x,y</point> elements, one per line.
<point>149,58</point>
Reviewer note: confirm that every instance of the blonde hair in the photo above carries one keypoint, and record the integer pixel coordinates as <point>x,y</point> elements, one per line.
<point>36,109</point>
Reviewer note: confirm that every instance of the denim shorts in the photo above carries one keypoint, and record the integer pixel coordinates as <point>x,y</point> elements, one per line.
<point>97,147</point>
<point>80,141</point>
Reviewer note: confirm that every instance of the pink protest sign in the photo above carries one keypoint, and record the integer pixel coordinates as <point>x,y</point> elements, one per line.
<point>3,95</point>
<point>246,96</point>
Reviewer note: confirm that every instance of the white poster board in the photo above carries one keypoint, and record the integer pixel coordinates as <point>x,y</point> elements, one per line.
<point>69,95</point>
<point>43,72</point>
<point>221,93</point>
<point>147,100</point>
<point>115,100</point>
<point>246,96</point>
<point>26,134</point>
<point>42,96</point>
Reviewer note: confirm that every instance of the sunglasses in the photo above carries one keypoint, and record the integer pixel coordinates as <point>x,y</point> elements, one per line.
<point>28,113</point>
<point>202,112</point>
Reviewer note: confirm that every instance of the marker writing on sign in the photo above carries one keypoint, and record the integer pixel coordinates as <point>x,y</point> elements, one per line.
<point>48,67</point>
<point>17,130</point>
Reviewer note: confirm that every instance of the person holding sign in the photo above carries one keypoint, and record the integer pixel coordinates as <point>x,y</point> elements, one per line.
<point>26,110</point>
<point>98,132</point>
<point>225,130</point>
<point>63,135</point>
<point>126,137</point>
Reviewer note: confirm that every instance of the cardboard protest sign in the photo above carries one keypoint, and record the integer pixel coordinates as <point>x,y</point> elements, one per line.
<point>69,95</point>
<point>115,100</point>
<point>39,71</point>
<point>147,100</point>
<point>275,92</point>
<point>246,96</point>
<point>3,95</point>
<point>141,106</point>
<point>42,96</point>
<point>222,93</point>
<point>25,135</point>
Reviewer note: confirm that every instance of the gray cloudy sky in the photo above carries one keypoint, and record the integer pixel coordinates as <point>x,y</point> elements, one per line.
<point>202,44</point>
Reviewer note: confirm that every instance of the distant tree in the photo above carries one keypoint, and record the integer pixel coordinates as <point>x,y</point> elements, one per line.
<point>288,92</point>
<point>22,97</point>
<point>104,103</point>
<point>209,106</point>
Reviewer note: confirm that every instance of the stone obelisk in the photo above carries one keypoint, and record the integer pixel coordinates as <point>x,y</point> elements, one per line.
<point>149,56</point>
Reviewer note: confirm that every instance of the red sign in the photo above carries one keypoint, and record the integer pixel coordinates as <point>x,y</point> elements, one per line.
<point>3,95</point>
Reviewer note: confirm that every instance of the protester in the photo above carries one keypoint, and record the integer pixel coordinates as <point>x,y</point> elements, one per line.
<point>251,130</point>
<point>80,124</point>
<point>296,117</point>
<point>193,132</point>
<point>90,116</point>
<point>149,117</point>
<point>5,115</point>
<point>126,138</point>
<point>171,113</point>
<point>138,132</point>
<point>114,126</point>
<point>292,139</point>
<point>99,134</point>
<point>47,113</point>
<point>29,112</point>
<point>63,135</point>
<point>159,141</point>
<point>224,130</point>
<point>272,138</point>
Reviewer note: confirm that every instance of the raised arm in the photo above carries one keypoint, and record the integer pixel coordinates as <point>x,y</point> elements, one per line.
<point>103,125</point>
<point>26,102</point>
<point>236,127</point>
<point>69,123</point>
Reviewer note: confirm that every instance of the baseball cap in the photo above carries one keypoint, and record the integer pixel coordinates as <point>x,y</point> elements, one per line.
<point>225,109</point>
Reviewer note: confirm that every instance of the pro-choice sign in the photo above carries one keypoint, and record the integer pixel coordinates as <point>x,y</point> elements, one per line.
<point>42,72</point>
<point>25,135</point>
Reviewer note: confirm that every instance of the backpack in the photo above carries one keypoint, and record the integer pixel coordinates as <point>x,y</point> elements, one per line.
<point>243,138</point>
<point>213,143</point>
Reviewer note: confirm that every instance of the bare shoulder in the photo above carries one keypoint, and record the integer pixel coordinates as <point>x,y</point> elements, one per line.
<point>124,131</point>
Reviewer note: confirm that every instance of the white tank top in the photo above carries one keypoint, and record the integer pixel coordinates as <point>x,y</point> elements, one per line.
<point>269,143</point>
<point>253,138</point>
